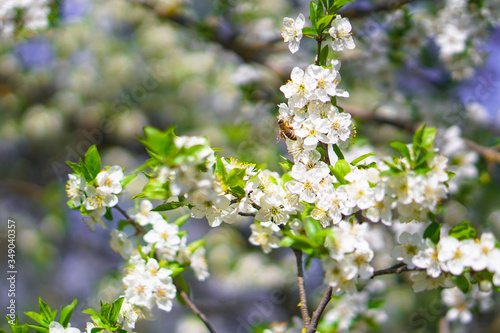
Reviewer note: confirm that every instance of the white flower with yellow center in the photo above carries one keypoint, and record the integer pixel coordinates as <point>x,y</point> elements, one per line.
<point>75,189</point>
<point>108,181</point>
<point>265,236</point>
<point>341,34</point>
<point>292,32</point>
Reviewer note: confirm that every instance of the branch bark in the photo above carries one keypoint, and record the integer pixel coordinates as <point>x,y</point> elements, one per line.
<point>196,311</point>
<point>302,290</point>
<point>327,295</point>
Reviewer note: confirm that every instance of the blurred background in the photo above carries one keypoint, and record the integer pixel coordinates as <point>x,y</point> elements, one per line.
<point>80,72</point>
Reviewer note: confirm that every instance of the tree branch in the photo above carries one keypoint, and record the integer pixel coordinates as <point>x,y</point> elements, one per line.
<point>396,269</point>
<point>362,12</point>
<point>327,295</point>
<point>302,290</point>
<point>196,311</point>
<point>139,230</point>
<point>490,154</point>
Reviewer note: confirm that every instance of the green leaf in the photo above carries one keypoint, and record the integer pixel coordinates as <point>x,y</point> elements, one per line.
<point>220,169</point>
<point>432,232</point>
<point>181,220</point>
<point>39,329</point>
<point>417,137</point>
<point>160,144</point>
<point>312,227</point>
<point>66,313</point>
<point>343,167</point>
<point>337,175</point>
<point>462,283</point>
<point>127,179</point>
<point>285,242</point>
<point>2,331</point>
<point>313,7</point>
<point>46,312</point>
<point>85,171</point>
<point>108,215</point>
<point>324,22</point>
<point>93,161</point>
<point>181,284</point>
<point>139,248</point>
<point>122,224</point>
<point>235,177</point>
<point>168,206</point>
<point>362,157</point>
<point>323,57</point>
<point>96,330</point>
<point>287,164</point>
<point>238,190</point>
<point>428,137</point>
<point>462,231</point>
<point>37,317</point>
<point>338,152</point>
<point>91,311</point>
<point>309,31</point>
<point>196,245</point>
<point>115,310</point>
<point>402,148</point>
<point>105,310</point>
<point>75,166</point>
<point>337,5</point>
<point>320,12</point>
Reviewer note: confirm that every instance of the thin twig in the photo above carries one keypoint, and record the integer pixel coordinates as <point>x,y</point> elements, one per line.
<point>193,307</point>
<point>396,269</point>
<point>140,230</point>
<point>327,295</point>
<point>302,290</point>
<point>361,12</point>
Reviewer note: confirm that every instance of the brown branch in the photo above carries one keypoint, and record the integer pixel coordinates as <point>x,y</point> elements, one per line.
<point>396,269</point>
<point>196,311</point>
<point>139,230</point>
<point>302,290</point>
<point>219,33</point>
<point>327,295</point>
<point>490,154</point>
<point>362,12</point>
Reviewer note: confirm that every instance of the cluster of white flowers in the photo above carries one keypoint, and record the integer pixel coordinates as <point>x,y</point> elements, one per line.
<point>461,304</point>
<point>34,15</point>
<point>449,257</point>
<point>147,284</point>
<point>462,159</point>
<point>96,198</point>
<point>459,30</point>
<point>351,255</point>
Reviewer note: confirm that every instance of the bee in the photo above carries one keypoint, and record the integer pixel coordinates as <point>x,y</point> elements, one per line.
<point>285,130</point>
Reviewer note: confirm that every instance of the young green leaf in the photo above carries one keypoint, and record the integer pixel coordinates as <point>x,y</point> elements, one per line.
<point>463,230</point>
<point>168,206</point>
<point>402,148</point>
<point>181,220</point>
<point>313,7</point>
<point>37,317</point>
<point>462,283</point>
<point>93,161</point>
<point>115,310</point>
<point>338,4</point>
<point>433,232</point>
<point>361,158</point>
<point>309,31</point>
<point>66,313</point>
<point>323,57</point>
<point>127,179</point>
